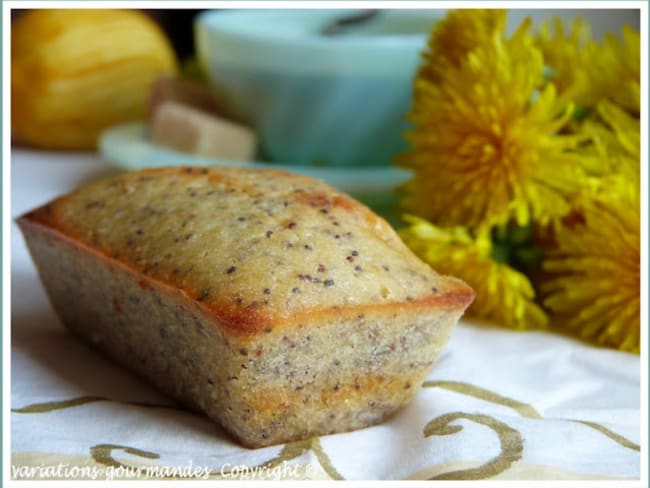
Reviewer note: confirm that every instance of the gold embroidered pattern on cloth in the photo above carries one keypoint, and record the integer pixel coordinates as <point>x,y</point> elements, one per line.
<point>511,442</point>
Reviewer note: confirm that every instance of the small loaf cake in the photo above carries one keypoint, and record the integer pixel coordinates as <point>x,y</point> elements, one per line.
<point>278,306</point>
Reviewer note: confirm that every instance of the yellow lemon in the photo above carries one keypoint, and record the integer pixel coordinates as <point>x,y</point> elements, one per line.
<point>76,72</point>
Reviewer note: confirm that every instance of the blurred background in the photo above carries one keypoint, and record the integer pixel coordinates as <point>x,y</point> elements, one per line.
<point>183,33</point>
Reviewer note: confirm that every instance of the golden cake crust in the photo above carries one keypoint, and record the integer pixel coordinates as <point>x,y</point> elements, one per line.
<point>258,250</point>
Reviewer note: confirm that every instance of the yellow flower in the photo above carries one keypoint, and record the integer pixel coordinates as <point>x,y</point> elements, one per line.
<point>593,266</point>
<point>483,151</point>
<point>614,70</point>
<point>594,283</point>
<point>587,71</point>
<point>565,56</point>
<point>625,128</point>
<point>503,294</point>
<point>593,261</point>
<point>615,144</point>
<point>462,31</point>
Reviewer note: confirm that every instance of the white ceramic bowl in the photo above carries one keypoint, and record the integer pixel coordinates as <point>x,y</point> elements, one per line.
<point>314,99</point>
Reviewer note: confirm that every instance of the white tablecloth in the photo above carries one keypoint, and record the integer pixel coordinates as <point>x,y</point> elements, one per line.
<point>499,404</point>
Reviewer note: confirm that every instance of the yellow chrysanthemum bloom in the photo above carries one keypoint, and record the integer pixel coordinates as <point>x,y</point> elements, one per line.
<point>615,143</point>
<point>626,129</point>
<point>594,263</point>
<point>503,294</point>
<point>483,151</point>
<point>462,31</point>
<point>564,55</point>
<point>594,283</point>
<point>587,71</point>
<point>614,70</point>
